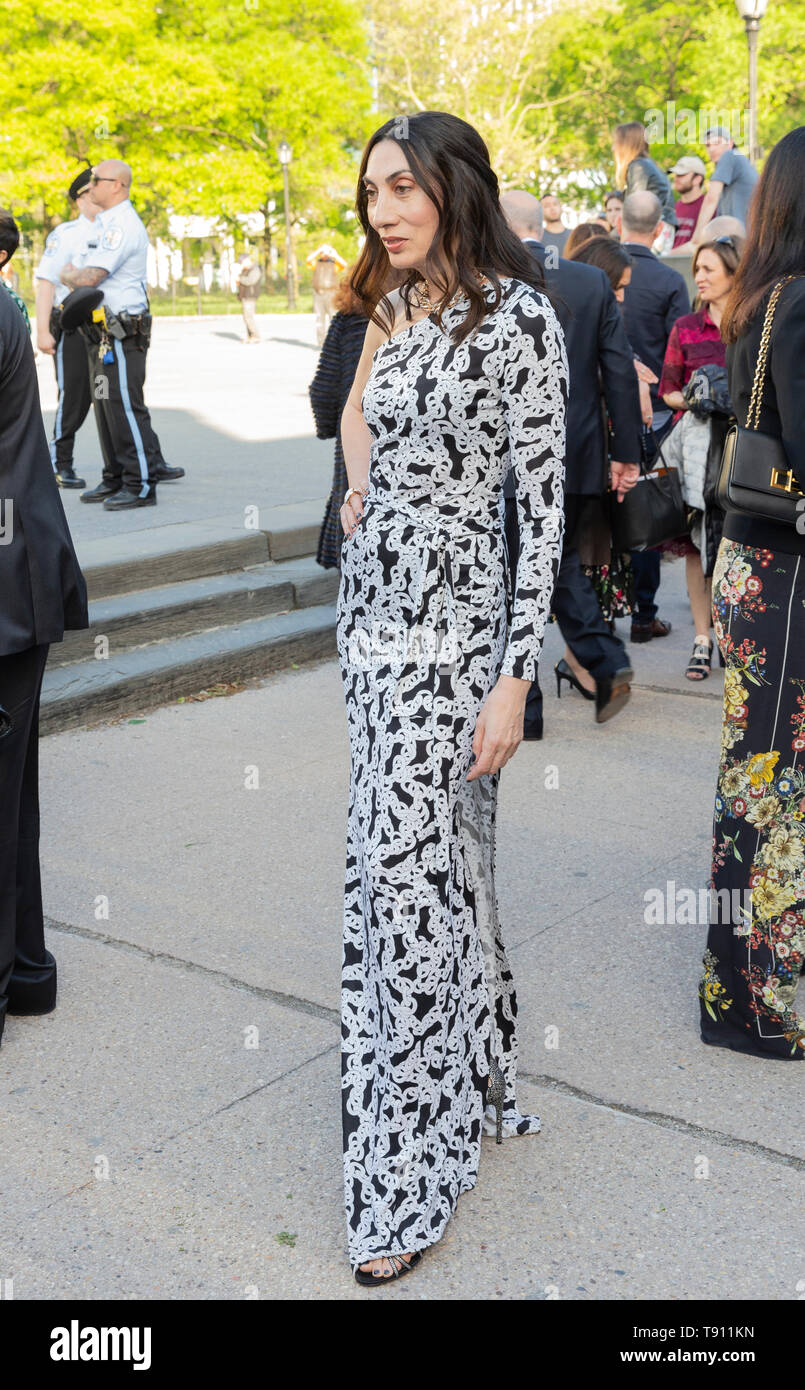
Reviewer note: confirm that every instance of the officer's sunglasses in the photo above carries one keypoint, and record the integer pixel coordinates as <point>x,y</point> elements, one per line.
<point>101,178</point>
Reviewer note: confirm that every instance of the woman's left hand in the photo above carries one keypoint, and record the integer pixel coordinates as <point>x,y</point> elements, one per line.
<point>499,729</point>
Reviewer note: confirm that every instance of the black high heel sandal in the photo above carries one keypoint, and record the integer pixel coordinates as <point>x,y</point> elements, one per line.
<point>698,668</point>
<point>565,673</point>
<point>400,1267</point>
<point>496,1095</point>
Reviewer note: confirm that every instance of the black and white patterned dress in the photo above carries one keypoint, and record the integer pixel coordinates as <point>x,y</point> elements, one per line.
<point>426,624</point>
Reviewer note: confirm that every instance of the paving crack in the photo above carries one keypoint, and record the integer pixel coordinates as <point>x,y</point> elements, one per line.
<point>220,977</point>
<point>663,1121</point>
<point>307,1006</point>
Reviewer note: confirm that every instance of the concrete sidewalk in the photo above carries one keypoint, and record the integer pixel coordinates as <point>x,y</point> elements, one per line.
<point>237,418</point>
<point>173,1129</point>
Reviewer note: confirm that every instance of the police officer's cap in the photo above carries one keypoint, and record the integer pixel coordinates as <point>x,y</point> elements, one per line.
<point>78,306</point>
<point>80,184</point>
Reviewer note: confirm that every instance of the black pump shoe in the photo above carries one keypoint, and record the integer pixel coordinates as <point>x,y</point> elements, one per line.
<point>564,673</point>
<point>612,693</point>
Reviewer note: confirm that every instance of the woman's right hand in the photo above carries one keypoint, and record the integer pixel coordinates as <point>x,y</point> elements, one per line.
<point>351,512</point>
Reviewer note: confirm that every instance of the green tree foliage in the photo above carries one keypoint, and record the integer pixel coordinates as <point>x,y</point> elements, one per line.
<point>197,94</point>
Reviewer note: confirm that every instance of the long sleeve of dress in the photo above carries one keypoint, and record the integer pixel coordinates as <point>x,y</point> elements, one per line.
<point>533,382</point>
<point>787,365</point>
<point>325,388</point>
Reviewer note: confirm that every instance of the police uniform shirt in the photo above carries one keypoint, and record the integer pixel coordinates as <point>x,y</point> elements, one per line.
<point>122,250</point>
<point>67,243</point>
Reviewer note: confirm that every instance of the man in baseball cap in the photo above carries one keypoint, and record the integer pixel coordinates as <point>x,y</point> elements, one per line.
<point>689,174</point>
<point>67,242</point>
<point>732,184</point>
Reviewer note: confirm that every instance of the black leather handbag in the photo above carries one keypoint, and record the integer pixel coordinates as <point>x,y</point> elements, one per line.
<point>652,511</point>
<point>755,478</point>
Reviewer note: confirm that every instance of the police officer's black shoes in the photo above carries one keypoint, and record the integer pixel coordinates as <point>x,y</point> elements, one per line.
<point>166,474</point>
<point>126,498</point>
<point>100,493</point>
<point>65,477</point>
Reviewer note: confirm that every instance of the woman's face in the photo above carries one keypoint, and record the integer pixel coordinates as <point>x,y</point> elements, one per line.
<point>400,211</point>
<point>620,293</point>
<point>712,280</point>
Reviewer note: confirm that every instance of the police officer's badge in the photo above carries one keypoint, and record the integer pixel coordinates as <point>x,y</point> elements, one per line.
<point>112,238</point>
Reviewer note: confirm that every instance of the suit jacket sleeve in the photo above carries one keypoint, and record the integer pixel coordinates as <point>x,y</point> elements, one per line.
<point>678,305</point>
<point>530,362</point>
<point>619,380</point>
<point>325,388</point>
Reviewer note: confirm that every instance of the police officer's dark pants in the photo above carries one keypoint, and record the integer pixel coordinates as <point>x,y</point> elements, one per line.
<point>576,607</point>
<point>130,448</point>
<point>75,399</point>
<point>27,969</point>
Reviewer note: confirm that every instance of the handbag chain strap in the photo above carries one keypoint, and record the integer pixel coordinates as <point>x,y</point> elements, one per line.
<point>760,367</point>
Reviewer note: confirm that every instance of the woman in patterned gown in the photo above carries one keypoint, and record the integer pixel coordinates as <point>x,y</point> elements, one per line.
<point>463,373</point>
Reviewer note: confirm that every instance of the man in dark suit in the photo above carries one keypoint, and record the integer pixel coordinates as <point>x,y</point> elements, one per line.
<point>596,344</point>
<point>654,299</point>
<point>42,592</point>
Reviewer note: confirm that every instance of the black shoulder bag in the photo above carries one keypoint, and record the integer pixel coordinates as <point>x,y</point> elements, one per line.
<point>755,478</point>
<point>652,511</point>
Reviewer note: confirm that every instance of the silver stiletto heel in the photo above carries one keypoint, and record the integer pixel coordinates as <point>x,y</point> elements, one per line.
<point>495,1095</point>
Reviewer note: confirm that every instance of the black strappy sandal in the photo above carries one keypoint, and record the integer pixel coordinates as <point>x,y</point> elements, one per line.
<point>400,1267</point>
<point>698,668</point>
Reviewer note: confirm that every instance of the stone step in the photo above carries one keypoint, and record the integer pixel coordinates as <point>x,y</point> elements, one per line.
<point>212,601</point>
<point>87,692</point>
<point>158,555</point>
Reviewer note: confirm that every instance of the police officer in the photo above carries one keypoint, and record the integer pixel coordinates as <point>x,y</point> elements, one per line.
<point>66,242</point>
<point>117,343</point>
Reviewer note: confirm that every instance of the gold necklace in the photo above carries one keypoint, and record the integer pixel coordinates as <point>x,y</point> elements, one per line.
<point>425,302</point>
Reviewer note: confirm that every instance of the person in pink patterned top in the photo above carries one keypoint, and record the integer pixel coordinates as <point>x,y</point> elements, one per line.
<point>695,341</point>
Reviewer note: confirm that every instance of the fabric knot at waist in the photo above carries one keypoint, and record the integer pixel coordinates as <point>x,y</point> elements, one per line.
<point>436,555</point>
<point>433,525</point>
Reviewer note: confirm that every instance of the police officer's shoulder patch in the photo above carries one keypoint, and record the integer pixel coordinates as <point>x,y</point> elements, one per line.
<point>112,238</point>
<point>52,244</point>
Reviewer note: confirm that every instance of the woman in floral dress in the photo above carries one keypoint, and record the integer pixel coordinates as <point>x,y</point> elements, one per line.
<point>756,941</point>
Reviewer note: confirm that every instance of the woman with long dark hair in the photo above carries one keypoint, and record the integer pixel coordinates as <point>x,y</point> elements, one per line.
<point>756,941</point>
<point>635,170</point>
<point>328,391</point>
<point>464,372</point>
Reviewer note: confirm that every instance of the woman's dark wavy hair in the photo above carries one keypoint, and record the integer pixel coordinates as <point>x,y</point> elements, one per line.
<point>607,254</point>
<point>775,245</point>
<point>450,161</point>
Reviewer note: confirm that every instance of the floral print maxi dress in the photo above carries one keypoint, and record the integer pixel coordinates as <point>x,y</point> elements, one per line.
<point>426,623</point>
<point>756,940</point>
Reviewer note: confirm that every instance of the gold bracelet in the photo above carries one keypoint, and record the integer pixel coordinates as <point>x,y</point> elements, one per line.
<point>350,491</point>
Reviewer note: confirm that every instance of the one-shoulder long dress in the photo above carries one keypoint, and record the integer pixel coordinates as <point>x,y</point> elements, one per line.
<point>426,624</point>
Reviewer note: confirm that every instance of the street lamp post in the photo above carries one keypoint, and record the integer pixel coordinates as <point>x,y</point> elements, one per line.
<point>751,12</point>
<point>285,153</point>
